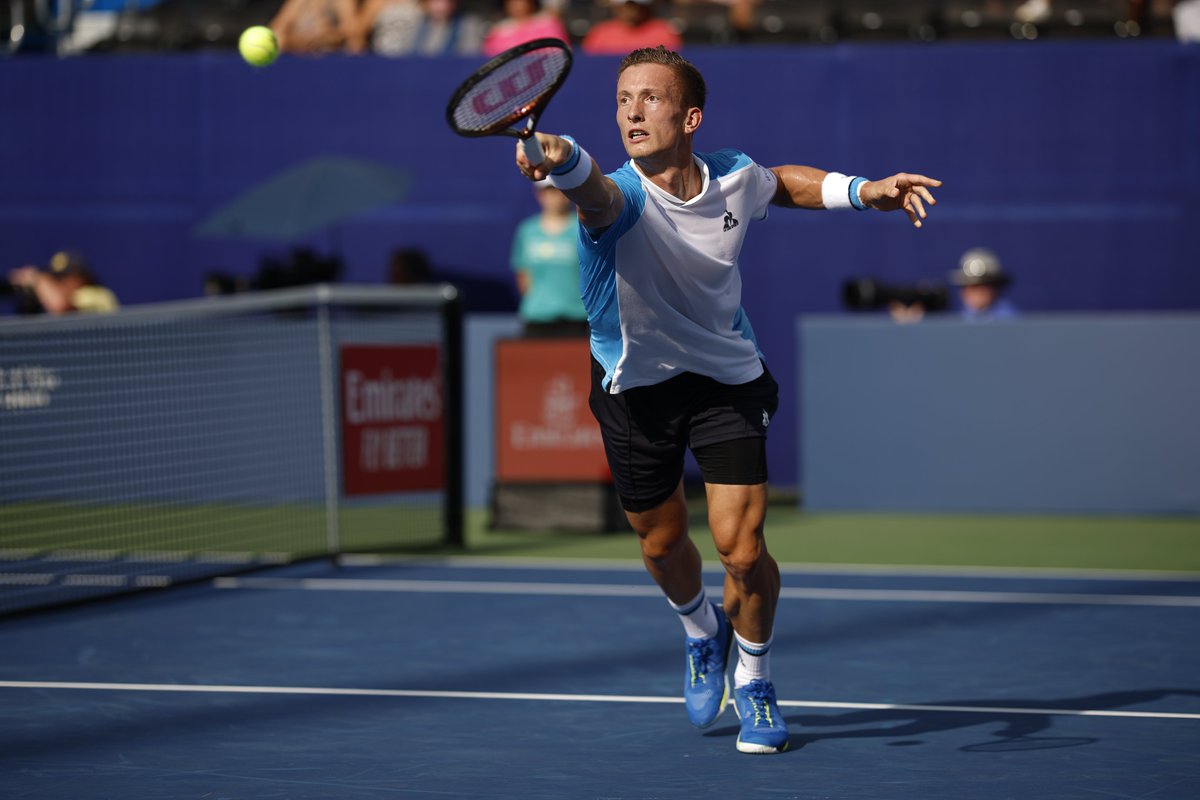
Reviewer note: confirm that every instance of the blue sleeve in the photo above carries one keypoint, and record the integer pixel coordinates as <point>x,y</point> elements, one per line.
<point>635,202</point>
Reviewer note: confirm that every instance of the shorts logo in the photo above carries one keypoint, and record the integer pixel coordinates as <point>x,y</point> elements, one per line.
<point>766,418</point>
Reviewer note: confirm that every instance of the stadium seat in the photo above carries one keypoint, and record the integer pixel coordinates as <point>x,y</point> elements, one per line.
<point>888,19</point>
<point>788,21</point>
<point>1066,19</point>
<point>701,22</point>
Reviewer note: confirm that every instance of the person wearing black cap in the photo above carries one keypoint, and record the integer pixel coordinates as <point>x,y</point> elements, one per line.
<point>981,282</point>
<point>66,285</point>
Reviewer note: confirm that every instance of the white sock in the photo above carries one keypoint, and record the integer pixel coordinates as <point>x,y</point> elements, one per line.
<point>699,621</point>
<point>754,661</point>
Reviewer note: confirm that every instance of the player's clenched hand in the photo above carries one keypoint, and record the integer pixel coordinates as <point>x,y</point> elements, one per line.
<point>905,191</point>
<point>557,150</point>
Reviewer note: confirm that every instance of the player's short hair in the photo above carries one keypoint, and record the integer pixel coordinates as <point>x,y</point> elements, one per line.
<point>694,90</point>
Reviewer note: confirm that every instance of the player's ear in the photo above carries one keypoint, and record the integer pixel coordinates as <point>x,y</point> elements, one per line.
<point>692,121</point>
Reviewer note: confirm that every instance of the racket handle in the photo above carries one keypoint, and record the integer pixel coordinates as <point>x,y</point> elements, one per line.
<point>533,150</point>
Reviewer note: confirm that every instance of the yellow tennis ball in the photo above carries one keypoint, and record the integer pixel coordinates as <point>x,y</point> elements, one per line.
<point>258,46</point>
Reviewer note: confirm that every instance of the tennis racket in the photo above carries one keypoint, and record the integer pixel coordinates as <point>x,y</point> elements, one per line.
<point>515,85</point>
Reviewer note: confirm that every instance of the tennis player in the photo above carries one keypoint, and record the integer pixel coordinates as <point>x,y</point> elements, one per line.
<point>675,364</point>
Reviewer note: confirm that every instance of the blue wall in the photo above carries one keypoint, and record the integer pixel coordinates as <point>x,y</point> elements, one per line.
<point>1058,413</point>
<point>1073,161</point>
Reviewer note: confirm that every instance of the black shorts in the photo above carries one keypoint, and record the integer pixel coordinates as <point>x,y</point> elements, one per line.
<point>647,430</point>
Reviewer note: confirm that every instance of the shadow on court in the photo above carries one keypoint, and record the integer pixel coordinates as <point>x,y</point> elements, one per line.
<point>1019,732</point>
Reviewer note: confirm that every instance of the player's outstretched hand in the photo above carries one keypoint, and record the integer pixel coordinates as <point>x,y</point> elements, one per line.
<point>906,191</point>
<point>557,150</point>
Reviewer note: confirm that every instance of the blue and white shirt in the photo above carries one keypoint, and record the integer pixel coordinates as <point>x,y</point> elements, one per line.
<point>662,285</point>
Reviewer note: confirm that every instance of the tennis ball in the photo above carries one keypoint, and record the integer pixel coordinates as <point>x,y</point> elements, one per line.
<point>258,46</point>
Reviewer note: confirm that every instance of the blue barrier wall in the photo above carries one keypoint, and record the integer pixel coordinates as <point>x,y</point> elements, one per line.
<point>1072,160</point>
<point>1053,413</point>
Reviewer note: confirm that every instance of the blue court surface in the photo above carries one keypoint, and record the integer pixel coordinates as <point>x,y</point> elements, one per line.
<point>464,678</point>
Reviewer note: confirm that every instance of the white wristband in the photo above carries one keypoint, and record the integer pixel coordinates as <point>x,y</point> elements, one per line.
<point>576,171</point>
<point>840,191</point>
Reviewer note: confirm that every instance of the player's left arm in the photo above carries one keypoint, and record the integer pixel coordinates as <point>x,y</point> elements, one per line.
<point>901,191</point>
<point>798,187</point>
<point>804,187</point>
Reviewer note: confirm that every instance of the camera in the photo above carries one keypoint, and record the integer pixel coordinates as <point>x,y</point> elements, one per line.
<point>868,294</point>
<point>24,300</point>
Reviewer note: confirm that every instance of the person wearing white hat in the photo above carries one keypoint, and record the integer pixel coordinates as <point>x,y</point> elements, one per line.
<point>981,283</point>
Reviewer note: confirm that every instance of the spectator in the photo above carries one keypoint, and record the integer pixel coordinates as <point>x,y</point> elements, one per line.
<point>218,283</point>
<point>1035,11</point>
<point>66,285</point>
<point>1186,15</point>
<point>409,266</point>
<point>524,21</point>
<point>314,26</point>
<point>632,27</point>
<point>1040,11</point>
<point>741,15</point>
<point>981,283</point>
<point>546,262</point>
<point>418,28</point>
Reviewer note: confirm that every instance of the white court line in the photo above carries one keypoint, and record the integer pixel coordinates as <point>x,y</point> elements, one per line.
<point>616,590</point>
<point>315,691</point>
<point>26,578</point>
<point>792,568</point>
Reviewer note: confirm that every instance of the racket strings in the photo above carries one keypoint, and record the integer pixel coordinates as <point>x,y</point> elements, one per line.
<point>510,92</point>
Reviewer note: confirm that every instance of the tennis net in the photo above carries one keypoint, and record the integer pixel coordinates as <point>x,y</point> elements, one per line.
<point>180,441</point>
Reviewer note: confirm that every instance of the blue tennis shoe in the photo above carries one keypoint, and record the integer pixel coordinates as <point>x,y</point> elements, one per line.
<point>763,728</point>
<point>705,685</point>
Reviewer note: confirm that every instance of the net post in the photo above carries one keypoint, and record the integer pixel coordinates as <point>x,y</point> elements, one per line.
<point>452,321</point>
<point>328,423</point>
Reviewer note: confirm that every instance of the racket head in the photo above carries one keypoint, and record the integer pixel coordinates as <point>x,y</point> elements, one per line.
<point>515,85</point>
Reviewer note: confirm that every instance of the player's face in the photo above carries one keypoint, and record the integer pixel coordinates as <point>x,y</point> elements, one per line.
<point>650,110</point>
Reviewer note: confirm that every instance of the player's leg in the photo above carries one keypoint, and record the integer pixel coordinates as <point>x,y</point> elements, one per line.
<point>729,441</point>
<point>736,514</point>
<point>668,552</point>
<point>674,563</point>
<point>730,449</point>
<point>730,445</point>
<point>644,433</point>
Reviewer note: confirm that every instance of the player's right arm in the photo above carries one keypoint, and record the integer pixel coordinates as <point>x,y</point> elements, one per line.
<point>598,198</point>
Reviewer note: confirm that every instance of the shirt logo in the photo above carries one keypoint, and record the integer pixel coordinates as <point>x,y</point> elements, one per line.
<point>730,221</point>
<point>766,418</point>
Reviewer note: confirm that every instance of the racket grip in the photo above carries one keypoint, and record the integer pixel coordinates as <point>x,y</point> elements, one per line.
<point>533,150</point>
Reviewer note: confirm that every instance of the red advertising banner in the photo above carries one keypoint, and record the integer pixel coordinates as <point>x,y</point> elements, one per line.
<point>392,419</point>
<point>544,428</point>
